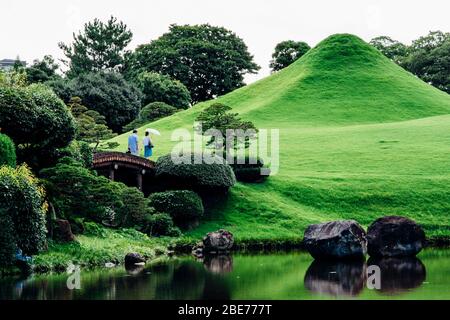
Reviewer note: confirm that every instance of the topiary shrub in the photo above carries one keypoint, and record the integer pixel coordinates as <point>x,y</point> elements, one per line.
<point>205,179</point>
<point>22,200</point>
<point>134,210</point>
<point>183,206</point>
<point>37,121</point>
<point>151,112</point>
<point>7,151</point>
<point>160,224</point>
<point>248,169</point>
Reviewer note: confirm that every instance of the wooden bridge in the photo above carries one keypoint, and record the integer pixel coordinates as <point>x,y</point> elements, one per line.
<point>127,168</point>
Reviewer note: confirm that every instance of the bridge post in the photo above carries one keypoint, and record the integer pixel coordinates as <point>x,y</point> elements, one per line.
<point>111,172</point>
<point>139,180</point>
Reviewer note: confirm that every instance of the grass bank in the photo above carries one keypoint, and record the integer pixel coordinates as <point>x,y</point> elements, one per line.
<point>95,250</point>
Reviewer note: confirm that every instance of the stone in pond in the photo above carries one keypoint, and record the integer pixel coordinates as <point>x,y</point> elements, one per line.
<point>395,236</point>
<point>218,241</point>
<point>134,258</point>
<point>336,240</point>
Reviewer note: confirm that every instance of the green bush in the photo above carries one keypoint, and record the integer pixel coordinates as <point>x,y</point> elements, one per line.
<point>22,199</point>
<point>134,210</point>
<point>160,224</point>
<point>159,87</point>
<point>7,151</point>
<point>151,112</point>
<point>203,178</point>
<point>182,205</point>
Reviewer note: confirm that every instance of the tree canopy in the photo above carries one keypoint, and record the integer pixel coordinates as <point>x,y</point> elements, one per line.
<point>105,92</point>
<point>286,52</point>
<point>99,46</point>
<point>208,60</point>
<point>42,70</point>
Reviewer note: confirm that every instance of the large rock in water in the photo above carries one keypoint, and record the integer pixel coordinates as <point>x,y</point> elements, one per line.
<point>335,240</point>
<point>395,236</point>
<point>218,241</point>
<point>133,258</point>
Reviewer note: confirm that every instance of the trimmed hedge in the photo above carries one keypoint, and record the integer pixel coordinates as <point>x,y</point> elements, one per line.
<point>7,151</point>
<point>182,205</point>
<point>202,178</point>
<point>22,200</point>
<point>248,169</point>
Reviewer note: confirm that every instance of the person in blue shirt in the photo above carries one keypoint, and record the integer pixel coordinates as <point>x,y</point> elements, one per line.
<point>133,143</point>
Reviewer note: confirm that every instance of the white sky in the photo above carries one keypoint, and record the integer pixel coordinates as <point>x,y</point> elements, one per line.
<point>33,28</point>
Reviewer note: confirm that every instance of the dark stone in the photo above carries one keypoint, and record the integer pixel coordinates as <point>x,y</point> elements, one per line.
<point>394,236</point>
<point>336,278</point>
<point>62,231</point>
<point>218,263</point>
<point>336,240</point>
<point>218,241</point>
<point>399,274</point>
<point>133,258</point>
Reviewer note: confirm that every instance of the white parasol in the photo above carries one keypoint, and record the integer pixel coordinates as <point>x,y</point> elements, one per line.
<point>153,131</point>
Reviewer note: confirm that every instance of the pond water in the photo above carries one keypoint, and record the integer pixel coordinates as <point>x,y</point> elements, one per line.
<point>288,275</point>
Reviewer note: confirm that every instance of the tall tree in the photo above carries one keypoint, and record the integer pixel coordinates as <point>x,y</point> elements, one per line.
<point>208,60</point>
<point>100,46</point>
<point>286,52</point>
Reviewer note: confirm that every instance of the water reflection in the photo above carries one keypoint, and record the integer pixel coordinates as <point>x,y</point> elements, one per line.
<point>218,264</point>
<point>336,278</point>
<point>400,274</point>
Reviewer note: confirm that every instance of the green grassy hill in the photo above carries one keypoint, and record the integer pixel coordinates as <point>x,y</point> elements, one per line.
<point>360,138</point>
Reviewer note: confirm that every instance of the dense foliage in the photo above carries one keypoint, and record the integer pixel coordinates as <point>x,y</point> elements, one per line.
<point>36,120</point>
<point>151,112</point>
<point>157,87</point>
<point>7,151</point>
<point>42,70</point>
<point>76,191</point>
<point>100,46</point>
<point>202,177</point>
<point>427,57</point>
<point>23,209</point>
<point>105,92</point>
<point>286,52</point>
<point>182,205</point>
<point>208,60</point>
<point>91,125</point>
<point>79,151</point>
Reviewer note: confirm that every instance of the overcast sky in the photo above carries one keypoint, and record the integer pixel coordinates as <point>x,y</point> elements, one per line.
<point>33,28</point>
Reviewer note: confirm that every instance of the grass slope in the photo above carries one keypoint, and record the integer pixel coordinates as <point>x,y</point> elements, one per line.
<point>359,136</point>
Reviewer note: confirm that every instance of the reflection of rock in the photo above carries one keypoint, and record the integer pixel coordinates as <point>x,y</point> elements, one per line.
<point>133,269</point>
<point>336,277</point>
<point>336,239</point>
<point>399,274</point>
<point>394,236</point>
<point>218,264</point>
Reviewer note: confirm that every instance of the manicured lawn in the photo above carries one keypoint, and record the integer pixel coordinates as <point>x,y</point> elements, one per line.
<point>359,138</point>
